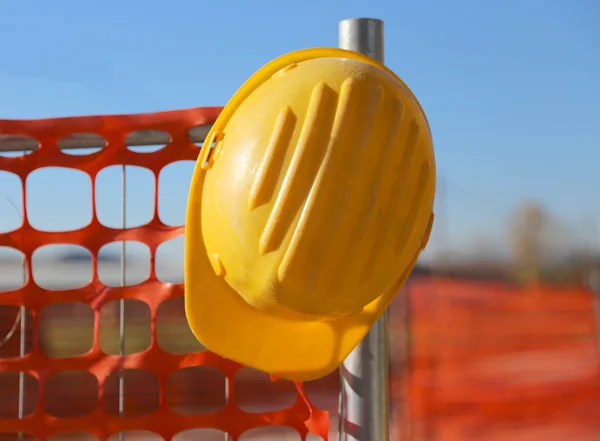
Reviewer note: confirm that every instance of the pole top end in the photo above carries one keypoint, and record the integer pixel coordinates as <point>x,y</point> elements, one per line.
<point>364,35</point>
<point>362,20</point>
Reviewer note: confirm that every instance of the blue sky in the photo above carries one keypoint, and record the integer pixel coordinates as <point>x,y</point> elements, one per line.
<point>510,89</point>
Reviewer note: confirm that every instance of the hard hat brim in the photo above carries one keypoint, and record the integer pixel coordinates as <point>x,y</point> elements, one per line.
<point>298,349</point>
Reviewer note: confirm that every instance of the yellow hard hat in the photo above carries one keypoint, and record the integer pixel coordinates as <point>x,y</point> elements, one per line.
<point>311,200</point>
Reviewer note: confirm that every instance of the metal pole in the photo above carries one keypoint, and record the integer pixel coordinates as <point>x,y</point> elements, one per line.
<point>22,348</point>
<point>365,373</point>
<point>122,328</point>
<point>23,342</point>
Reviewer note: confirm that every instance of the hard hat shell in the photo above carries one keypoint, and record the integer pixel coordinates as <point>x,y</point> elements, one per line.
<point>311,200</point>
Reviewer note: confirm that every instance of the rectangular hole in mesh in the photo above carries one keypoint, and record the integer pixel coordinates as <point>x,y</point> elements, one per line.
<point>173,187</point>
<point>202,434</point>
<point>138,335</point>
<point>81,143</point>
<point>13,269</point>
<point>66,329</point>
<point>11,202</point>
<point>12,345</point>
<point>173,332</point>
<point>71,394</point>
<point>323,393</point>
<point>9,397</point>
<point>137,263</point>
<point>196,390</point>
<point>139,196</point>
<point>140,392</point>
<point>271,433</point>
<point>256,393</point>
<point>147,141</point>
<point>17,145</point>
<point>62,266</point>
<point>54,191</point>
<point>169,260</point>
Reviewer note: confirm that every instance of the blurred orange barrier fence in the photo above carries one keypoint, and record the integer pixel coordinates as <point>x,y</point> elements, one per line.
<point>489,361</point>
<point>78,397</point>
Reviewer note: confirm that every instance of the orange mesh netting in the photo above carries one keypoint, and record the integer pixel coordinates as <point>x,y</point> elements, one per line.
<point>494,362</point>
<point>97,414</point>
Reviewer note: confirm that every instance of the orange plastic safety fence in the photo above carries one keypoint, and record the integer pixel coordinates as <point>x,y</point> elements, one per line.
<point>494,362</point>
<point>102,420</point>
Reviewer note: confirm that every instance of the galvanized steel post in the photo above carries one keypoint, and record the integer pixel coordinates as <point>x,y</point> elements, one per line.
<point>365,373</point>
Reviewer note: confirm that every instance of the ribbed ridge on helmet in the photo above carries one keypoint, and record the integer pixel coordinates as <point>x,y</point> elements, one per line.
<point>339,175</point>
<point>307,156</point>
